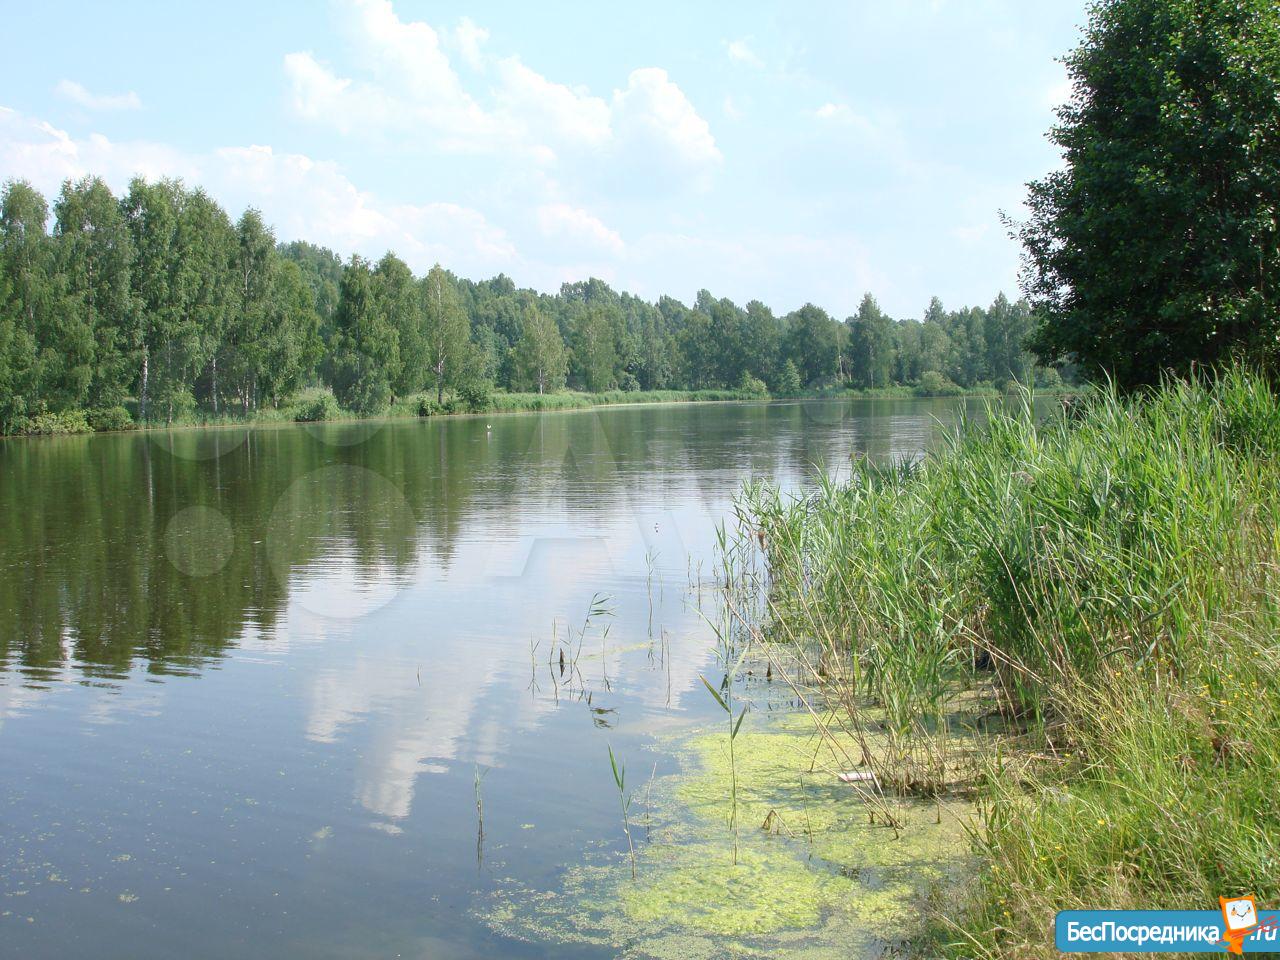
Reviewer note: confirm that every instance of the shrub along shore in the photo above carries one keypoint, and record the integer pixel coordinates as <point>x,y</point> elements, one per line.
<point>1107,577</point>
<point>319,404</point>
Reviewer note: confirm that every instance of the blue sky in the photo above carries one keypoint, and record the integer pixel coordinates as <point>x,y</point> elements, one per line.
<point>757,150</point>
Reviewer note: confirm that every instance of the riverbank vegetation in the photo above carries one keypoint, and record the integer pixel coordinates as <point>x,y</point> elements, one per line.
<point>1106,575</point>
<point>1109,573</point>
<point>155,307</point>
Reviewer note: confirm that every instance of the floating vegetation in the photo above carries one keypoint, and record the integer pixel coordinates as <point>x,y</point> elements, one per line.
<point>813,876</point>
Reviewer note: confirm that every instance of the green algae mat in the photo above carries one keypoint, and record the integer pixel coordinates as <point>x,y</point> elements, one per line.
<point>808,874</point>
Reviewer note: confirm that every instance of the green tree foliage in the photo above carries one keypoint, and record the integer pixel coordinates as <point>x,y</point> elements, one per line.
<point>540,361</point>
<point>813,343</point>
<point>322,270</point>
<point>871,347</point>
<point>761,341</point>
<point>365,352</point>
<point>293,348</point>
<point>446,331</point>
<point>208,328</point>
<point>28,291</point>
<point>160,301</point>
<point>399,300</point>
<point>787,383</point>
<point>1157,245</point>
<point>594,354</point>
<point>94,257</point>
<point>151,212</point>
<point>17,362</point>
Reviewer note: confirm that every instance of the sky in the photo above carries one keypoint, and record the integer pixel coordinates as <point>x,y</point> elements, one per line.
<point>780,152</point>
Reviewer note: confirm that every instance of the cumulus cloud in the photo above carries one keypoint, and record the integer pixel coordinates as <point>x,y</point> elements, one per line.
<point>303,197</point>
<point>653,108</point>
<point>551,111</point>
<point>882,133</point>
<point>469,39</point>
<point>740,52</point>
<point>78,94</point>
<point>409,86</point>
<point>564,220</point>
<point>46,155</point>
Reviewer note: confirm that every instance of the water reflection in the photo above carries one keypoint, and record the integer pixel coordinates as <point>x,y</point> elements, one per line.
<point>250,659</point>
<point>118,549</point>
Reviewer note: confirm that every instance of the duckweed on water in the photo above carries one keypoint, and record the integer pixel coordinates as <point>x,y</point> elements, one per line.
<point>814,877</point>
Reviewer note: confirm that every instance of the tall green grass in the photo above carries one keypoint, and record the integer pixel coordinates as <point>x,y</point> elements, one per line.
<point>1109,571</point>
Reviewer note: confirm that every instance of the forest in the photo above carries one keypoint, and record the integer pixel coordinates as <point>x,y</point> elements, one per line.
<point>157,307</point>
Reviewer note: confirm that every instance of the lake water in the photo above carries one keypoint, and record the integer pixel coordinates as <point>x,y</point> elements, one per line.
<point>253,681</point>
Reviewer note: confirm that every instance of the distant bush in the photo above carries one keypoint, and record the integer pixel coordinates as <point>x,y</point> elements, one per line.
<point>752,386</point>
<point>316,407</point>
<point>1048,378</point>
<point>425,407</point>
<point>788,384</point>
<point>476,396</point>
<point>934,384</point>
<point>103,419</point>
<point>56,424</point>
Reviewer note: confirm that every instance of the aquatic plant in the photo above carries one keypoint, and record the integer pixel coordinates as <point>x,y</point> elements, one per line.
<point>624,798</point>
<point>1108,571</point>
<point>833,886</point>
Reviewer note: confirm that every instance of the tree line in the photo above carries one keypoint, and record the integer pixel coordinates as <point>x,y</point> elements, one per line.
<point>156,306</point>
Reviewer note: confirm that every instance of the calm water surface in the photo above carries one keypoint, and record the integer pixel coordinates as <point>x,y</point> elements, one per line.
<point>249,678</point>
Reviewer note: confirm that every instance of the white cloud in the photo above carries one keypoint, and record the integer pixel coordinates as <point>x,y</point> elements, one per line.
<point>469,38</point>
<point>409,87</point>
<point>551,111</point>
<point>46,155</point>
<point>881,135</point>
<point>653,108</point>
<point>78,94</point>
<point>454,120</point>
<point>563,220</point>
<point>783,268</point>
<point>303,197</point>
<point>408,53</point>
<point>740,52</point>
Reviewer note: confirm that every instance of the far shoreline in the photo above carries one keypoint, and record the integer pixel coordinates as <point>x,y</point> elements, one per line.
<point>526,404</point>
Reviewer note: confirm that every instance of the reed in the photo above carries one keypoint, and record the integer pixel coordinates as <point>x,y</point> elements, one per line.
<point>624,799</point>
<point>724,697</point>
<point>1107,572</point>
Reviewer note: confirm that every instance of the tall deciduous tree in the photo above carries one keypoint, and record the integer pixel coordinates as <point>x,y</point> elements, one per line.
<point>446,330</point>
<point>539,354</point>
<point>26,264</point>
<point>365,352</point>
<point>293,347</point>
<point>92,335</point>
<point>870,345</point>
<point>1157,245</point>
<point>593,349</point>
<point>17,362</point>
<point>208,328</point>
<point>151,212</point>
<point>813,345</point>
<point>400,302</point>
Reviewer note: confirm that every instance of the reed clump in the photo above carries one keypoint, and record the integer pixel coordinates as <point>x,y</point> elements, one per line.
<point>1109,571</point>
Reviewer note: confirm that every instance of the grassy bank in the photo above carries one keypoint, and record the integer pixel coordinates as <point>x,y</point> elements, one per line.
<point>318,404</point>
<point>1108,575</point>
